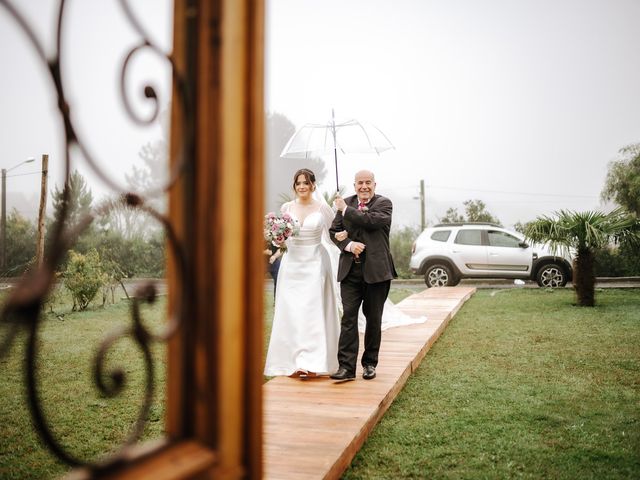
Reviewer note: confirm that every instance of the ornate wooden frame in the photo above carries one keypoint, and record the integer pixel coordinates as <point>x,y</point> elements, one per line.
<point>215,391</point>
<point>215,266</point>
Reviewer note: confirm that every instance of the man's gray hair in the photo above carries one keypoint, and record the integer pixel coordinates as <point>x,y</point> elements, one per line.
<point>369,172</point>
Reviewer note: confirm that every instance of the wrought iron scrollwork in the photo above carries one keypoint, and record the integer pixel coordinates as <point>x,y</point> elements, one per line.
<point>24,306</point>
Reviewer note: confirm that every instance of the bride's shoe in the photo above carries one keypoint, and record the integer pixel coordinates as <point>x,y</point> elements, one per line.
<point>308,375</point>
<point>299,373</point>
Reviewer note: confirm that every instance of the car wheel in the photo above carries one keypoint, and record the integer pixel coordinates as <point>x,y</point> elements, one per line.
<point>439,275</point>
<point>551,275</point>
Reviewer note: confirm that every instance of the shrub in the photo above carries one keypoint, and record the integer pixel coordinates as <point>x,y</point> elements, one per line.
<point>21,244</point>
<point>618,261</point>
<point>131,256</point>
<point>83,277</point>
<point>401,241</point>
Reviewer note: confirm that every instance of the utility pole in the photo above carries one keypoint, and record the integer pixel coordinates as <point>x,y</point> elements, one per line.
<point>3,222</point>
<point>422,206</point>
<point>42,210</point>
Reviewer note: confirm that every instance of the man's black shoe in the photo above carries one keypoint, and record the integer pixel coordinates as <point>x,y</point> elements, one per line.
<point>369,372</point>
<point>342,375</point>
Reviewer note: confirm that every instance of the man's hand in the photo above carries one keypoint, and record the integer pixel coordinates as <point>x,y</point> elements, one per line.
<point>340,236</point>
<point>357,248</point>
<point>275,256</point>
<point>339,203</point>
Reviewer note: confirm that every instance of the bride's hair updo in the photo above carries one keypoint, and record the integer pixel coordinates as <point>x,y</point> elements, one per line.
<point>308,175</point>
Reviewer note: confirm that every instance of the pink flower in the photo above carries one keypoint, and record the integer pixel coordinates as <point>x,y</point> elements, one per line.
<point>278,227</point>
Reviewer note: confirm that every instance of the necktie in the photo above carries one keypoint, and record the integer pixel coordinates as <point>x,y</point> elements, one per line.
<point>361,205</point>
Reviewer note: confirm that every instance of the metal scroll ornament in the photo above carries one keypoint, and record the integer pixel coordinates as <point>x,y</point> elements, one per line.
<point>24,307</point>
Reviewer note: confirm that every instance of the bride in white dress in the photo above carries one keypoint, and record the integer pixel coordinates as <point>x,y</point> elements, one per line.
<point>306,318</point>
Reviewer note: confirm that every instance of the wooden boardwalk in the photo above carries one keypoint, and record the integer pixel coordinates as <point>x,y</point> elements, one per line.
<point>313,428</point>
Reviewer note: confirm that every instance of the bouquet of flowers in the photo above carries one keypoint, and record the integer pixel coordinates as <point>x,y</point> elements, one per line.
<point>278,227</point>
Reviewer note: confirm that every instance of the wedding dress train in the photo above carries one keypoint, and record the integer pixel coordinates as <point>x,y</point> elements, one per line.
<point>392,317</point>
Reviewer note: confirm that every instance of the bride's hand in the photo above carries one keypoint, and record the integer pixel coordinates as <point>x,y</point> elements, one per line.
<point>340,236</point>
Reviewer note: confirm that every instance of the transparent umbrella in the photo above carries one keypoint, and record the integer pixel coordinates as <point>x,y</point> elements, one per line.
<point>352,136</point>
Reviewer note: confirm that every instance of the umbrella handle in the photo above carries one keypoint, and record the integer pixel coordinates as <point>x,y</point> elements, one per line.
<point>335,147</point>
<point>335,153</point>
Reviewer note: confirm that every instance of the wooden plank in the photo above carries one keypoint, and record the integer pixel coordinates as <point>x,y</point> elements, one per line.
<point>215,381</point>
<point>175,461</point>
<point>313,428</point>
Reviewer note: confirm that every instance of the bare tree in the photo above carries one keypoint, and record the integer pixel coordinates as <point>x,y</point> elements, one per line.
<point>279,171</point>
<point>147,180</point>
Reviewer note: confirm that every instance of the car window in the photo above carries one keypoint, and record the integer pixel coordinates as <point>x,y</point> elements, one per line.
<point>503,239</point>
<point>469,237</point>
<point>441,235</point>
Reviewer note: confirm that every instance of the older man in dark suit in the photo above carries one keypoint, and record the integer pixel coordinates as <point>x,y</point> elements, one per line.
<point>360,229</point>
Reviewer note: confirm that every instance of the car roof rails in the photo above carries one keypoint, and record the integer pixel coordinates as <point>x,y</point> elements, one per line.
<point>489,224</point>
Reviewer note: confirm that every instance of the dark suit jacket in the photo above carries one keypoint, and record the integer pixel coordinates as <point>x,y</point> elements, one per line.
<point>371,228</point>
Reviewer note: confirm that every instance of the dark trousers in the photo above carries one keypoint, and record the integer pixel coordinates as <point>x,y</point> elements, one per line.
<point>372,296</point>
<point>274,268</point>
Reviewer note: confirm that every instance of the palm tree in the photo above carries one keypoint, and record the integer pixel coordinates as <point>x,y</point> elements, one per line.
<point>584,232</point>
<point>330,197</point>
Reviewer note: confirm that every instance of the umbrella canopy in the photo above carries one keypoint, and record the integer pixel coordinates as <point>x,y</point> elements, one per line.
<point>315,140</point>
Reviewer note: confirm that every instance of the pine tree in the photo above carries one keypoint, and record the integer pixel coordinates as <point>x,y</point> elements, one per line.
<point>79,201</point>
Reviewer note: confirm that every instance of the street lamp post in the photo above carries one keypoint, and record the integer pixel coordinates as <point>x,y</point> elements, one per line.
<point>3,219</point>
<point>423,222</point>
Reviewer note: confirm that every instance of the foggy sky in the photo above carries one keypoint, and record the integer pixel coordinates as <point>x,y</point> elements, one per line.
<point>96,37</point>
<point>520,104</point>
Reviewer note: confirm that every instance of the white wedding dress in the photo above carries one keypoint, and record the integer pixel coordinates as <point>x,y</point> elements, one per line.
<point>306,318</point>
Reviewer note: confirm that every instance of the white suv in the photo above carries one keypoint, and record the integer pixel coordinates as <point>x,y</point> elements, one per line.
<point>449,252</point>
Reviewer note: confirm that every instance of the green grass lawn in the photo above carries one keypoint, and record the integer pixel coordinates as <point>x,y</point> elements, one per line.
<point>85,423</point>
<point>522,384</point>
